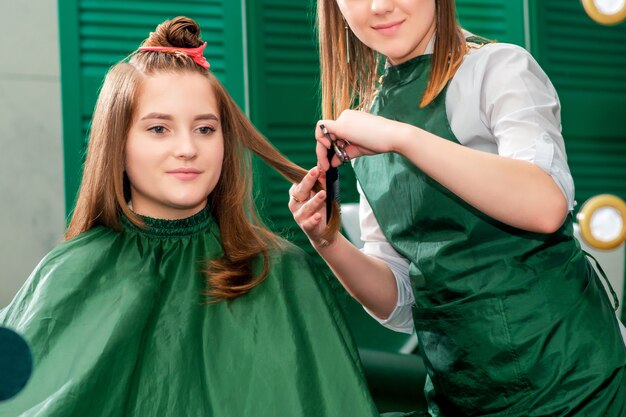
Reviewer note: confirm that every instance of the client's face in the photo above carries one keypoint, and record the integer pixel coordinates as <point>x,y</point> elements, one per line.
<point>175,146</point>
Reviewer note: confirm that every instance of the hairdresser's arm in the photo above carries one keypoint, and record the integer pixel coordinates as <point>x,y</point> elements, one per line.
<point>520,109</point>
<point>514,192</point>
<point>367,279</point>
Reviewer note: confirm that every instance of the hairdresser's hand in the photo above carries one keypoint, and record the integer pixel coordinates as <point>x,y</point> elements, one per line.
<point>308,207</point>
<point>367,134</point>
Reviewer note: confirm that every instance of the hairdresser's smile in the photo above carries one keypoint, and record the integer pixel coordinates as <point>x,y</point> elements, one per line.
<point>398,29</point>
<point>388,29</point>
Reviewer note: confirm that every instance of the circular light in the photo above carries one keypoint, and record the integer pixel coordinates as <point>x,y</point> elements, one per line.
<point>606,12</point>
<point>602,221</point>
<point>609,6</point>
<point>606,224</point>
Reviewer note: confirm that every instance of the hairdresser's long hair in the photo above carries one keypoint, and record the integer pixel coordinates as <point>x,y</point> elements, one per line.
<point>349,84</point>
<point>105,191</point>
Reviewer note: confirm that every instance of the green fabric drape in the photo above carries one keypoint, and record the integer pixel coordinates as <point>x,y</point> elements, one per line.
<point>119,327</point>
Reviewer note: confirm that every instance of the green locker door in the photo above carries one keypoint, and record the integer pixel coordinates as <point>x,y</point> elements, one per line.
<point>96,34</point>
<point>500,20</point>
<point>283,84</point>
<point>284,106</point>
<point>586,62</point>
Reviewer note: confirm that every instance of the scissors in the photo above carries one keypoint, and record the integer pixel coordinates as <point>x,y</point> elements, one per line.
<point>339,147</point>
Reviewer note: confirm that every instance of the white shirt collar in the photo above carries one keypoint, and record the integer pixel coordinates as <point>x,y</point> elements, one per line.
<point>430,47</point>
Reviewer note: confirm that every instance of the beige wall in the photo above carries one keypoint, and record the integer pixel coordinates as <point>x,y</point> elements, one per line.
<point>31,157</point>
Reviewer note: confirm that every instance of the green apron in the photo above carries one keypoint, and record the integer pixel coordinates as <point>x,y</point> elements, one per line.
<point>510,323</point>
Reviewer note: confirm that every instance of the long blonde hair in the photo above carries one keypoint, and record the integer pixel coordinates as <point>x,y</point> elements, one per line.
<point>105,190</point>
<point>346,84</point>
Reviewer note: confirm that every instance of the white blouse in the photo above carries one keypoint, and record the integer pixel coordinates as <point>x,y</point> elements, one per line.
<point>500,101</point>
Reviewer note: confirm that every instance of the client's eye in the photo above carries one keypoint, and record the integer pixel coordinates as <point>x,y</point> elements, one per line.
<point>157,129</point>
<point>205,130</point>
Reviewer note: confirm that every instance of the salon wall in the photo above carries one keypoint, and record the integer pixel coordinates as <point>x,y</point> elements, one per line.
<point>32,206</point>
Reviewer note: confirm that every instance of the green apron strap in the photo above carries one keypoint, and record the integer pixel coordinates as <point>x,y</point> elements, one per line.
<point>604,277</point>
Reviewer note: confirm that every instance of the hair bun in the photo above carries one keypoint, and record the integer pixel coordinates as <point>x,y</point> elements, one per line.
<point>180,32</point>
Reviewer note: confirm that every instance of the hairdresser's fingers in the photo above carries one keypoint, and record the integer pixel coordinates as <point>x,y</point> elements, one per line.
<point>300,193</point>
<point>309,215</point>
<point>322,179</point>
<point>322,157</point>
<point>315,204</point>
<point>296,199</point>
<point>308,182</point>
<point>292,204</point>
<point>354,151</point>
<point>310,207</point>
<point>324,144</point>
<point>320,136</point>
<point>311,226</point>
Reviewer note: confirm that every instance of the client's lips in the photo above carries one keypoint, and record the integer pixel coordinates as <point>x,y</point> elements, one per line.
<point>185,173</point>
